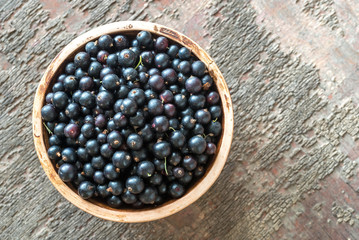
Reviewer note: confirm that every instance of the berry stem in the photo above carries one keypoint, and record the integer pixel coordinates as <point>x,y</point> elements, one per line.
<point>48,129</point>
<point>215,120</point>
<point>139,62</point>
<point>166,166</point>
<point>171,128</point>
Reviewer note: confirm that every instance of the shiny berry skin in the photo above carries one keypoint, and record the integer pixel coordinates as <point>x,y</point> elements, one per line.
<point>147,133</point>
<point>128,107</point>
<point>88,130</point>
<point>121,159</point>
<point>214,128</point>
<point>59,130</point>
<point>156,179</point>
<point>138,120</point>
<point>92,49</point>
<point>176,190</point>
<point>100,121</point>
<point>148,196</point>
<point>177,139</point>
<point>92,147</point>
<point>48,113</point>
<point>111,172</point>
<point>106,150</point>
<point>193,85</point>
<point>138,95</point>
<point>60,100</point>
<point>120,119</point>
<point>59,86</point>
<point>102,56</point>
<point>166,96</point>
<point>197,101</point>
<point>172,51</point>
<point>87,99</point>
<point>207,82</point>
<point>86,190</point>
<point>130,74</point>
<point>184,53</point>
<point>216,112</point>
<point>144,38</point>
<point>162,60</point>
<point>197,144</point>
<point>184,67</point>
<point>154,71</point>
<point>105,42</point>
<point>126,58</point>
<point>114,201</point>
<point>145,169</point>
<point>88,170</point>
<point>212,98</point>
<point>161,149</point>
<point>155,107</point>
<point>157,83</point>
<point>180,101</point>
<point>198,68</point>
<point>169,110</point>
<point>147,58</point>
<point>128,197</point>
<point>210,148</point>
<point>54,140</point>
<point>105,99</point>
<point>178,172</point>
<point>67,172</point>
<point>94,69</point>
<point>135,184</point>
<point>111,82</point>
<point>134,141</point>
<point>175,158</point>
<point>121,42</point>
<point>72,130</point>
<point>188,122</point>
<point>160,124</point>
<point>169,75</point>
<point>203,116</point>
<point>82,60</point>
<point>54,153</point>
<point>99,177</point>
<point>73,111</point>
<point>161,44</point>
<point>115,139</point>
<point>189,163</point>
<point>115,187</point>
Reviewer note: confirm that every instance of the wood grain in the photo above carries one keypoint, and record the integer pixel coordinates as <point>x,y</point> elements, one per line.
<point>131,215</point>
<point>291,68</point>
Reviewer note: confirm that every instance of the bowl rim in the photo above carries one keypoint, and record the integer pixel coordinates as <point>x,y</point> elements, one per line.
<point>173,206</point>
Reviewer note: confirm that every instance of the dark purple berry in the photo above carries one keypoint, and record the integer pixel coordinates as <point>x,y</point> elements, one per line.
<point>176,190</point>
<point>48,113</point>
<point>86,190</point>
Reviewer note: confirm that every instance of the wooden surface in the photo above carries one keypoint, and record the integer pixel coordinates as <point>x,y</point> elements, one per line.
<point>292,69</point>
<point>99,209</point>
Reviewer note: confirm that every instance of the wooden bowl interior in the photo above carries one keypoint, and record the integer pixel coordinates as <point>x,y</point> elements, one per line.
<point>130,215</point>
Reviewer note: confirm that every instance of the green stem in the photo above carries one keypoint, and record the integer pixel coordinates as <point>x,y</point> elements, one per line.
<point>139,62</point>
<point>166,166</point>
<point>215,120</point>
<point>171,128</point>
<point>47,128</point>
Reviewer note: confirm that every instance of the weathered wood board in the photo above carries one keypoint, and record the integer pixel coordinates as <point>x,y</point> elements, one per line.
<point>292,69</point>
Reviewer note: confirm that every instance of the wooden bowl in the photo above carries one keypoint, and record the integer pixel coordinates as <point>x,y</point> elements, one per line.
<point>97,208</point>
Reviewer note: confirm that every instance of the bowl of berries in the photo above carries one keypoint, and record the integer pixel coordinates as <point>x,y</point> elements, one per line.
<point>132,122</point>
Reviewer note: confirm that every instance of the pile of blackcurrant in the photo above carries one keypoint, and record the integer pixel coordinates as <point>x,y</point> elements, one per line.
<point>132,121</point>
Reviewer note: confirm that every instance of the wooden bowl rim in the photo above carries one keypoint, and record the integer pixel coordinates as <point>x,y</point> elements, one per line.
<point>129,215</point>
